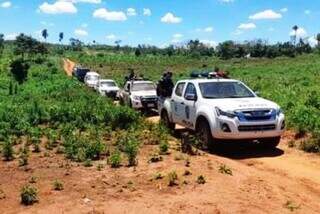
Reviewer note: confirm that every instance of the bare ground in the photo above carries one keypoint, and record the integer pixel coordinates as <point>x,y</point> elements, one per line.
<point>282,180</point>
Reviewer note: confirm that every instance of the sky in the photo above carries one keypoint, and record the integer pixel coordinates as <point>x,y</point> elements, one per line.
<point>161,22</point>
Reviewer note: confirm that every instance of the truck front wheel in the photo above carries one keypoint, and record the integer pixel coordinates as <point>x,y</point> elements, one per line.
<point>166,121</point>
<point>203,133</point>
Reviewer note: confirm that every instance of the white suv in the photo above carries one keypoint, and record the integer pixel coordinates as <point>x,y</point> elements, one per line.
<point>139,94</point>
<point>222,109</point>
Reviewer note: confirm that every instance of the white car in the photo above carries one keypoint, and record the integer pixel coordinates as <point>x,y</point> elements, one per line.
<point>91,79</point>
<point>107,87</point>
<point>222,109</point>
<point>139,94</point>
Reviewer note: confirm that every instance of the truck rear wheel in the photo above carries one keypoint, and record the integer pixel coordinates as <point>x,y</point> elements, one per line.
<point>203,133</point>
<point>166,121</point>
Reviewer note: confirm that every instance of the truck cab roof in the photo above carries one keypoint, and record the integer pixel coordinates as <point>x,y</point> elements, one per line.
<point>201,80</point>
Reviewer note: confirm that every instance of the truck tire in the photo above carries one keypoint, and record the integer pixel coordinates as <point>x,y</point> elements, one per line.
<point>166,121</point>
<point>203,133</point>
<point>270,143</point>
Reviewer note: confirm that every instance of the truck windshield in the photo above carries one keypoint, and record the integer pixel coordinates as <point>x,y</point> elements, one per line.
<point>92,77</point>
<point>108,84</point>
<point>143,87</point>
<point>218,90</point>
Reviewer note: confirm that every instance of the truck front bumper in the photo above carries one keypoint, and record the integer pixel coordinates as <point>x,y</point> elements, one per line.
<point>232,129</point>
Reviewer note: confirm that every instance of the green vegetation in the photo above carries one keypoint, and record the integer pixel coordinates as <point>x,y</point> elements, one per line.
<point>29,195</point>
<point>172,178</point>
<point>57,185</point>
<point>224,169</point>
<point>201,179</point>
<point>291,82</point>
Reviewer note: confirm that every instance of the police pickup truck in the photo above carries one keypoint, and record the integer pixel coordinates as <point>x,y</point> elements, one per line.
<point>139,94</point>
<point>222,110</point>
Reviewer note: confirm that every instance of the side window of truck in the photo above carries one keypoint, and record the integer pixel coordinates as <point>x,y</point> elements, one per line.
<point>190,90</point>
<point>179,89</point>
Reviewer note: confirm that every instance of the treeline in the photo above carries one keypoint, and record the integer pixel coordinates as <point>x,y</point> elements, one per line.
<point>192,48</point>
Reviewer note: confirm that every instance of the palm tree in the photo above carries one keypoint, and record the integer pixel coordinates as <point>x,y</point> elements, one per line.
<point>61,35</point>
<point>45,34</point>
<point>295,29</point>
<point>318,39</point>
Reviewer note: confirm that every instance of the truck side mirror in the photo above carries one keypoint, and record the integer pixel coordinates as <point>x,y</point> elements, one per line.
<point>191,97</point>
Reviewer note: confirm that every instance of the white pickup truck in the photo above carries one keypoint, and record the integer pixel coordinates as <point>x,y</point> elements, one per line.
<point>107,87</point>
<point>222,110</point>
<point>139,94</point>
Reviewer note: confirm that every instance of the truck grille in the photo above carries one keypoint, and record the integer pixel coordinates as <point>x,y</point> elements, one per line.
<point>257,115</point>
<point>149,99</point>
<point>250,128</point>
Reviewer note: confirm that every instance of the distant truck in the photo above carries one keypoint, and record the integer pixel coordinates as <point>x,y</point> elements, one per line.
<point>222,110</point>
<point>91,79</point>
<point>139,94</point>
<point>80,73</point>
<point>107,87</point>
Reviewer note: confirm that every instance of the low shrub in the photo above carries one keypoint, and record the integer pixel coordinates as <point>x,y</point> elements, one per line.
<point>29,195</point>
<point>201,179</point>
<point>115,159</point>
<point>164,147</point>
<point>224,169</point>
<point>7,150</point>
<point>57,185</point>
<point>172,178</point>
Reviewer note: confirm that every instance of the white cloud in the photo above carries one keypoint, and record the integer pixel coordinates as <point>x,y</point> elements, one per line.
<point>177,36</point>
<point>171,19</point>
<point>83,1</point>
<point>209,43</point>
<point>48,24</point>
<point>267,14</point>
<point>84,25</point>
<point>131,12</point>
<point>208,29</point>
<point>284,10</point>
<point>247,26</point>
<point>312,41</point>
<point>103,13</point>
<point>146,12</point>
<point>11,36</point>
<point>80,32</point>
<point>307,12</point>
<point>301,32</point>
<point>58,7</point>
<point>111,37</point>
<point>6,4</point>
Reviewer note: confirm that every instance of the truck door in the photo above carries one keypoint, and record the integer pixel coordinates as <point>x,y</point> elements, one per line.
<point>177,103</point>
<point>190,99</point>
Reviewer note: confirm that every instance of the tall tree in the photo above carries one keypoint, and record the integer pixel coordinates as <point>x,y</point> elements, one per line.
<point>295,29</point>
<point>118,42</point>
<point>61,35</point>
<point>45,34</point>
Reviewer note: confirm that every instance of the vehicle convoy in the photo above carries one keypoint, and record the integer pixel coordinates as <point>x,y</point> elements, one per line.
<point>139,94</point>
<point>91,79</point>
<point>222,110</point>
<point>107,87</point>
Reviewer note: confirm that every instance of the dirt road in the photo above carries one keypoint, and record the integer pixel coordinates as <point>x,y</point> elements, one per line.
<point>68,66</point>
<point>283,180</point>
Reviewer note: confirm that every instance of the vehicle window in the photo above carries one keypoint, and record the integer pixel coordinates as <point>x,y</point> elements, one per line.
<point>190,90</point>
<point>127,87</point>
<point>143,87</point>
<point>92,78</point>
<point>108,84</point>
<point>218,90</point>
<point>179,89</point>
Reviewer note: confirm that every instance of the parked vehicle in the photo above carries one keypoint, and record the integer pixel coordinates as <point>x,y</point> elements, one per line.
<point>139,94</point>
<point>91,79</point>
<point>222,109</point>
<point>80,73</point>
<point>107,87</point>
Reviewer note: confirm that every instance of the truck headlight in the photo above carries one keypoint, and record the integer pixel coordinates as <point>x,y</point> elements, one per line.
<point>279,111</point>
<point>229,114</point>
<point>136,98</point>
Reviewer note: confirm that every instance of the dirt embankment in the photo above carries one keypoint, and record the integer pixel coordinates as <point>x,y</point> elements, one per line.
<point>283,180</point>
